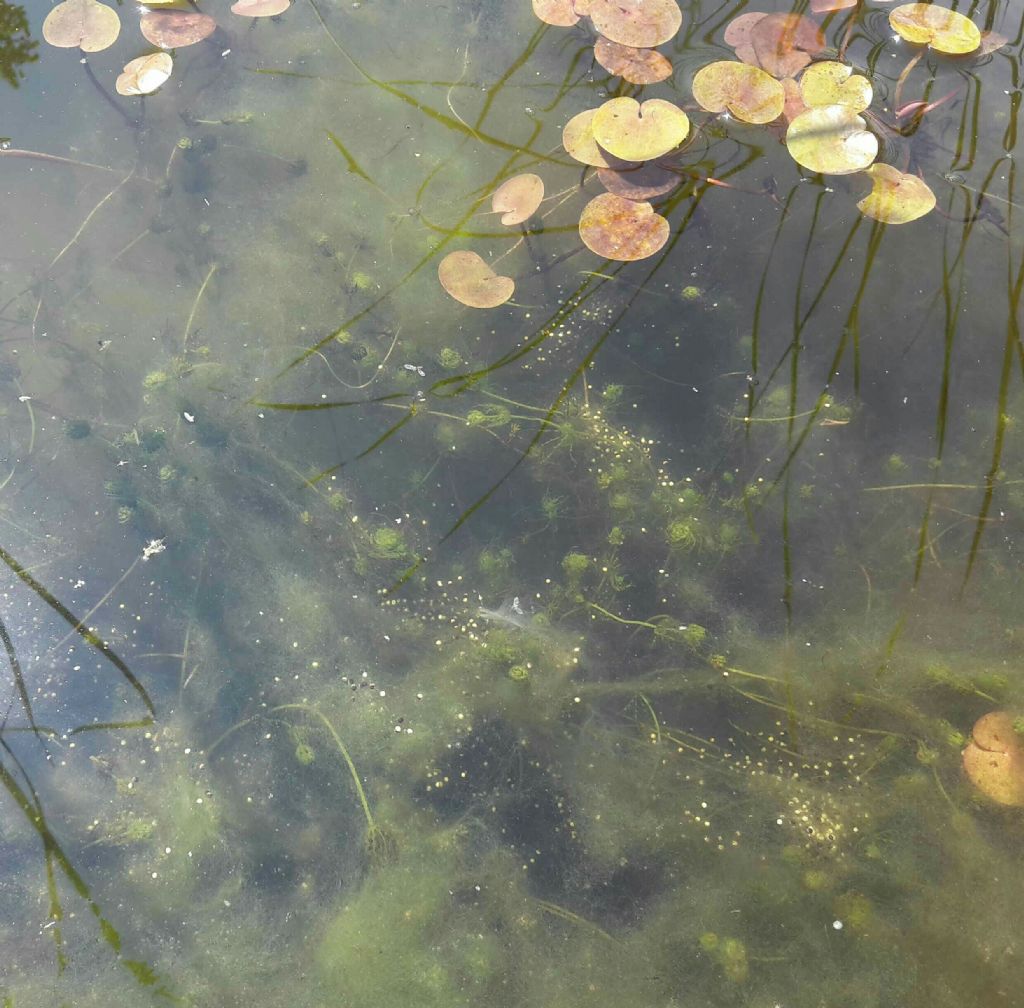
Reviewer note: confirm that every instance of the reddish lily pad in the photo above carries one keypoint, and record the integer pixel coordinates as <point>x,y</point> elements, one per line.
<point>642,24</point>
<point>944,30</point>
<point>622,229</point>
<point>144,75</point>
<point>994,759</point>
<point>831,139</point>
<point>794,99</point>
<point>640,182</point>
<point>556,12</point>
<point>517,199</point>
<point>260,8</point>
<point>781,44</point>
<point>990,42</point>
<point>895,197</point>
<point>82,24</point>
<point>578,140</point>
<point>749,93</point>
<point>468,279</point>
<point>638,66</point>
<point>176,29</point>
<point>635,132</point>
<point>827,6</point>
<point>831,83</point>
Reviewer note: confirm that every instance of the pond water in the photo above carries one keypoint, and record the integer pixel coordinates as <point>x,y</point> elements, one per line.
<point>618,645</point>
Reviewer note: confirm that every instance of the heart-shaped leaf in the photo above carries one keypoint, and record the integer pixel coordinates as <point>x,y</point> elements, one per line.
<point>640,182</point>
<point>831,83</point>
<point>749,93</point>
<point>827,6</point>
<point>831,139</point>
<point>145,74</point>
<point>556,12</point>
<point>622,229</point>
<point>468,279</point>
<point>642,24</point>
<point>944,30</point>
<point>85,24</point>
<point>635,132</point>
<point>260,8</point>
<point>638,66</point>
<point>994,759</point>
<point>176,29</point>
<point>578,140</point>
<point>895,198</point>
<point>518,198</point>
<point>781,44</point>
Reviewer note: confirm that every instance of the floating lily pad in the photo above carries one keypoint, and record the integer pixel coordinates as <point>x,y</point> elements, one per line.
<point>827,6</point>
<point>578,140</point>
<point>638,66</point>
<point>831,139</point>
<point>990,42</point>
<point>622,229</point>
<point>944,30</point>
<point>895,198</point>
<point>640,182</point>
<point>794,99</point>
<point>635,132</point>
<point>144,75</point>
<point>176,29</point>
<point>556,12</point>
<point>832,83</point>
<point>82,24</point>
<point>994,759</point>
<point>468,279</point>
<point>517,199</point>
<point>749,93</point>
<point>639,23</point>
<point>260,8</point>
<point>781,44</point>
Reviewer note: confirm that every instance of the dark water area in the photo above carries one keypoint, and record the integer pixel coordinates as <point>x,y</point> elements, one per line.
<point>652,638</point>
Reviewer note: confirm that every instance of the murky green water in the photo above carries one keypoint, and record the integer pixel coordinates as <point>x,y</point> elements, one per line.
<point>615,646</point>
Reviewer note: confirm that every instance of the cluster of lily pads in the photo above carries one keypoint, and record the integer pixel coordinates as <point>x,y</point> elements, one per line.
<point>92,26</point>
<point>779,77</point>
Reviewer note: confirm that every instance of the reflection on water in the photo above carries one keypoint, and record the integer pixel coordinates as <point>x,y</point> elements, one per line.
<point>615,646</point>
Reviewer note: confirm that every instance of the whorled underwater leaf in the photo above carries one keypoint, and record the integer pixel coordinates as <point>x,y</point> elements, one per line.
<point>145,74</point>
<point>633,131</point>
<point>517,198</point>
<point>468,279</point>
<point>638,66</point>
<point>622,229</point>
<point>895,197</point>
<point>747,92</point>
<point>260,8</point>
<point>994,759</point>
<point>559,13</point>
<point>642,24</point>
<point>639,182</point>
<point>832,83</point>
<point>85,24</point>
<point>176,29</point>
<point>578,141</point>
<point>946,31</point>
<point>831,139</point>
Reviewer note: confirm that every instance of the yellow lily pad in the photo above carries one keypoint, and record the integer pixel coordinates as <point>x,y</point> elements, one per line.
<point>622,229</point>
<point>749,93</point>
<point>895,197</point>
<point>642,24</point>
<point>638,66</point>
<point>832,83</point>
<point>556,12</point>
<point>635,132</point>
<point>944,30</point>
<point>578,140</point>
<point>144,75</point>
<point>831,139</point>
<point>468,279</point>
<point>85,24</point>
<point>517,198</point>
